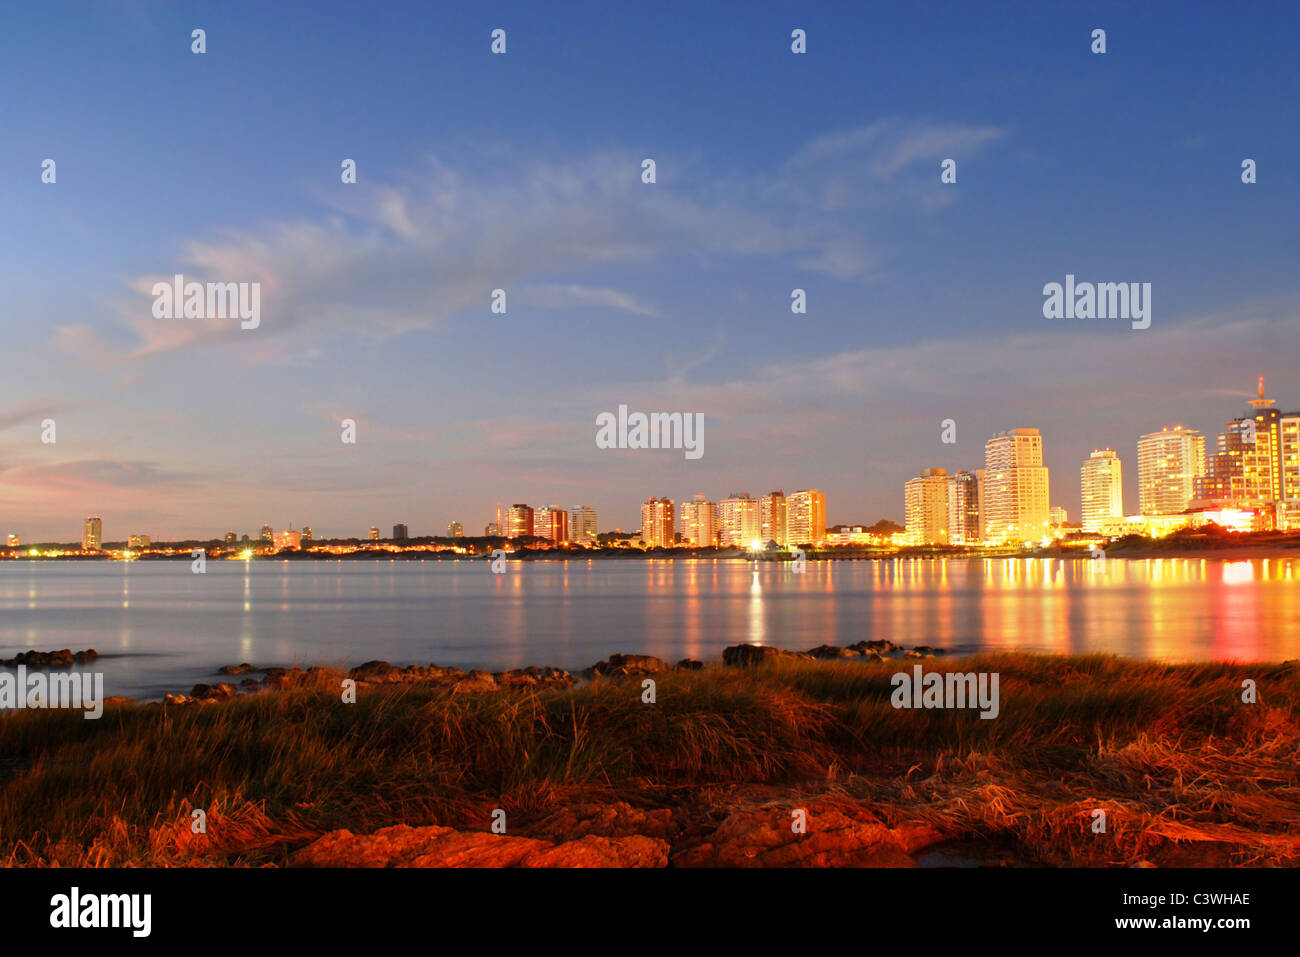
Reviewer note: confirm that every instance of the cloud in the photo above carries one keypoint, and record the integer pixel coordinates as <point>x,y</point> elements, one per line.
<point>92,475</point>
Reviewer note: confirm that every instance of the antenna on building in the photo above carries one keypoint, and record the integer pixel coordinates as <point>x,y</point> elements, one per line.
<point>1261,402</point>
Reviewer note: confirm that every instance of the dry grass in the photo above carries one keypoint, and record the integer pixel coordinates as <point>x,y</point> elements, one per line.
<point>1185,771</point>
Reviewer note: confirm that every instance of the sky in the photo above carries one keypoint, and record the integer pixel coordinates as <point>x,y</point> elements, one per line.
<point>522,171</point>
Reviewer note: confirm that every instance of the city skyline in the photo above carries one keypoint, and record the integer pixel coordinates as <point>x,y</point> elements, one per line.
<point>924,299</point>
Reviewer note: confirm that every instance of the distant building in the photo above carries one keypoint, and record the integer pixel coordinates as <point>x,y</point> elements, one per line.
<point>773,513</point>
<point>582,524</point>
<point>138,541</point>
<point>519,521</point>
<point>1056,515</point>
<point>739,522</point>
<point>963,508</point>
<point>806,517</point>
<point>14,540</point>
<point>699,522</point>
<point>552,523</point>
<point>400,533</point>
<point>1013,488</point>
<point>306,533</point>
<point>455,530</point>
<point>92,534</point>
<point>658,523</point>
<point>1171,470</point>
<point>493,530</point>
<point>1103,493</point>
<point>374,533</point>
<point>925,500</point>
<point>231,538</point>
<point>288,539</point>
<point>268,533</point>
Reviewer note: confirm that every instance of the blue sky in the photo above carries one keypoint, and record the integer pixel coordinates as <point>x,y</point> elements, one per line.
<point>775,171</point>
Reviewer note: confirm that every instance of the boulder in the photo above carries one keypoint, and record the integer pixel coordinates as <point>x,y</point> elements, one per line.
<point>689,664</point>
<point>747,655</point>
<point>625,666</point>
<point>240,669</point>
<point>825,652</point>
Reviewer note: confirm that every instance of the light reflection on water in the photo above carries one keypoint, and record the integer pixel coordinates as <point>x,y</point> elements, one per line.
<point>162,628</point>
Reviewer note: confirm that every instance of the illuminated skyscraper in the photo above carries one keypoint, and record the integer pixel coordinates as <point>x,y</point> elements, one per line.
<point>1103,492</point>
<point>582,524</point>
<point>400,533</point>
<point>14,540</point>
<point>963,509</point>
<point>551,522</point>
<point>658,522</point>
<point>1289,430</point>
<point>92,534</point>
<point>268,533</point>
<point>925,500</point>
<point>700,521</point>
<point>1170,464</point>
<point>519,521</point>
<point>1014,488</point>
<point>231,538</point>
<point>137,541</point>
<point>773,516</point>
<point>455,530</point>
<point>738,521</point>
<point>306,533</point>
<point>374,533</point>
<point>805,517</point>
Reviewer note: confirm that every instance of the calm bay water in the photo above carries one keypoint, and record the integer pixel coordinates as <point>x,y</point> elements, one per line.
<point>161,628</point>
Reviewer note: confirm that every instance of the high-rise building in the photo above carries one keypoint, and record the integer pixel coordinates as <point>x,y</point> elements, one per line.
<point>92,534</point>
<point>1103,492</point>
<point>658,522</point>
<point>1171,465</point>
<point>582,525</point>
<point>400,533</point>
<point>231,538</point>
<point>926,507</point>
<point>1289,446</point>
<point>1056,515</point>
<point>14,540</point>
<point>773,515</point>
<point>306,533</point>
<point>1013,492</point>
<point>374,533</point>
<point>288,539</point>
<point>805,517</point>
<point>551,522</point>
<point>1248,470</point>
<point>519,521</point>
<point>738,521</point>
<point>700,522</point>
<point>455,530</point>
<point>268,533</point>
<point>138,541</point>
<point>492,530</point>
<point>963,508</point>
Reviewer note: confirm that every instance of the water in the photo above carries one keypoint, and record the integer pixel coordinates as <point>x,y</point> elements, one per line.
<point>161,628</point>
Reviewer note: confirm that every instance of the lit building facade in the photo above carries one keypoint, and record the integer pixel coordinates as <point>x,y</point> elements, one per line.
<point>658,522</point>
<point>963,508</point>
<point>806,517</point>
<point>582,525</point>
<point>519,521</point>
<point>739,523</point>
<point>699,522</point>
<point>773,512</point>
<point>92,534</point>
<point>925,500</point>
<point>552,523</point>
<point>1102,487</point>
<point>1014,488</point>
<point>455,530</point>
<point>1171,466</point>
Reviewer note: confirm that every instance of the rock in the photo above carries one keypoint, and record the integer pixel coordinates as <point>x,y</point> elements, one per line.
<point>880,646</point>
<point>746,655</point>
<point>763,837</point>
<point>372,671</point>
<point>239,669</point>
<point>929,650</point>
<point>475,681</point>
<point>435,846</point>
<point>177,699</point>
<point>616,819</point>
<point>252,684</point>
<point>625,666</point>
<point>63,658</point>
<point>593,851</point>
<point>90,654</point>
<point>824,652</point>
<point>689,664</point>
<point>909,653</point>
<point>213,692</point>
